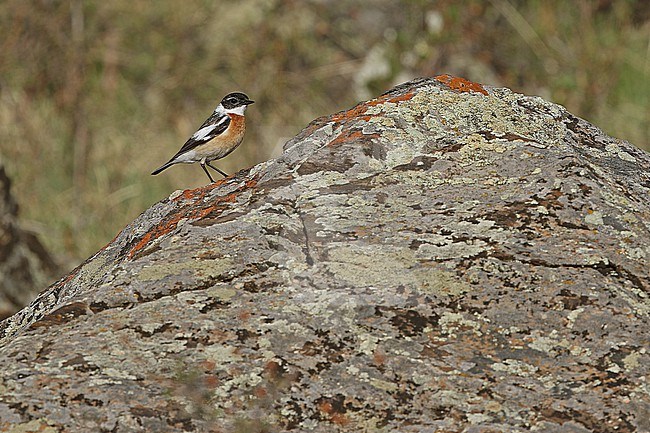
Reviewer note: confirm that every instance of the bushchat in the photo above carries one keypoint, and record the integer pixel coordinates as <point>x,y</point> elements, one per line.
<point>219,135</point>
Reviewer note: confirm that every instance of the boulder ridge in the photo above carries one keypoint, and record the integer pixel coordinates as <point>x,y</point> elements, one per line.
<point>447,257</point>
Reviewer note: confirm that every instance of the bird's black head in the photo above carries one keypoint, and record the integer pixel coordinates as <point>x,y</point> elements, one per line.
<point>234,100</point>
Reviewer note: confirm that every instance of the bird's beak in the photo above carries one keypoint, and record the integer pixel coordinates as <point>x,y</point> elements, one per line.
<point>249,102</point>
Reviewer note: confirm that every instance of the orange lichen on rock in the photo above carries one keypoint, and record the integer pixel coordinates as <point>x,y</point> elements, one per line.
<point>346,137</point>
<point>460,84</point>
<point>167,226</point>
<point>190,194</point>
<point>331,412</point>
<point>152,234</point>
<point>358,110</point>
<point>198,193</point>
<point>171,222</point>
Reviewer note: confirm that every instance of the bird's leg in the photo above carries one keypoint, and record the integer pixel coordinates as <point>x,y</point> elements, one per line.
<point>215,168</point>
<point>206,171</point>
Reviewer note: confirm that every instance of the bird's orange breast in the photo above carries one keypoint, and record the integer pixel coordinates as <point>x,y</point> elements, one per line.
<point>236,129</point>
<point>225,143</point>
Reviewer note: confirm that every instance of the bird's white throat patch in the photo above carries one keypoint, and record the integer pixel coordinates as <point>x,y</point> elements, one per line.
<point>237,110</point>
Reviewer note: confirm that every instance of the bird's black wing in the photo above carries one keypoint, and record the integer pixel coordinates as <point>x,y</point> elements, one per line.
<point>213,126</point>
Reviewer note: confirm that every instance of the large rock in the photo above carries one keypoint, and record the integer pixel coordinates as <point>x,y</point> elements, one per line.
<point>25,264</point>
<point>446,257</point>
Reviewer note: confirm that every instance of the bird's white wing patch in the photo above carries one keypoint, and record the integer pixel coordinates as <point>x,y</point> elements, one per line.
<point>203,132</point>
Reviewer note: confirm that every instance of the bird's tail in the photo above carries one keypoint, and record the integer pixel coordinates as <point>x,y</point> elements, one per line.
<point>162,167</point>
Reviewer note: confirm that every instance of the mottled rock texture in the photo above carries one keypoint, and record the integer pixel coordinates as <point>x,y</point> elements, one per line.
<point>447,257</point>
<point>25,264</point>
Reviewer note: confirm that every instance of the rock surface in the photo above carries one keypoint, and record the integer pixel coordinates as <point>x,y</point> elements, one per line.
<point>25,264</point>
<point>446,257</point>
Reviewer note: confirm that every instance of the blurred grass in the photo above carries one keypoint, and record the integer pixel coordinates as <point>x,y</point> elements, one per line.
<point>94,95</point>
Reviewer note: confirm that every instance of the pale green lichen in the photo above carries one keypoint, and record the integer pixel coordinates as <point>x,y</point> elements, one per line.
<point>402,153</point>
<point>384,385</point>
<point>93,269</point>
<point>477,418</point>
<point>471,112</point>
<point>220,293</point>
<point>590,256</point>
<point>544,344</point>
<point>222,355</point>
<point>631,361</point>
<point>322,179</point>
<point>118,373</point>
<point>616,150</point>
<point>479,152</point>
<point>515,367</point>
<point>452,250</point>
<point>205,268</point>
<point>594,218</point>
<point>450,323</point>
<point>251,378</point>
<point>41,425</point>
<point>422,179</point>
<point>363,266</point>
<point>341,213</point>
<point>445,283</point>
<point>150,328</point>
<point>552,345</point>
<point>573,316</point>
<point>367,342</point>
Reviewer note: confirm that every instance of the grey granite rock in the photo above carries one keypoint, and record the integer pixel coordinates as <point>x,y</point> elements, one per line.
<point>447,257</point>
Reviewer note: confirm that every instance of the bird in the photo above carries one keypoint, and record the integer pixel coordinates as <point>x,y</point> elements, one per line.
<point>219,135</point>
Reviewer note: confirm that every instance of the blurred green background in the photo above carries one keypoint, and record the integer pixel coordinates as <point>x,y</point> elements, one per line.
<point>96,94</point>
